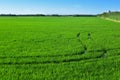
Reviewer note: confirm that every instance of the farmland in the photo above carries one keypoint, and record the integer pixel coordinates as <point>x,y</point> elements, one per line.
<point>46,48</point>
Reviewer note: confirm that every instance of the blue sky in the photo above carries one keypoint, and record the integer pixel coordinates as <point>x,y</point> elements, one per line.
<point>58,6</point>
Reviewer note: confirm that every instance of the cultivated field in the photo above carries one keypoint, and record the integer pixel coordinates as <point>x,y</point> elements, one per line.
<point>51,48</point>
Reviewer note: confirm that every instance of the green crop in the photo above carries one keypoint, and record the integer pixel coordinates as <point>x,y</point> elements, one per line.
<point>59,48</point>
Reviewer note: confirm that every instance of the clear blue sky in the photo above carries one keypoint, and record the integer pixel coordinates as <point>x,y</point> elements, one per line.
<point>58,6</point>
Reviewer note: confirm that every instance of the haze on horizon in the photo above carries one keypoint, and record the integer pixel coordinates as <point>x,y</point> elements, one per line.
<point>58,6</point>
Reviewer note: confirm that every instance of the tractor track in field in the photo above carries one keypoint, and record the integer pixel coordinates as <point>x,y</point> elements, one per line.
<point>55,61</point>
<point>50,62</point>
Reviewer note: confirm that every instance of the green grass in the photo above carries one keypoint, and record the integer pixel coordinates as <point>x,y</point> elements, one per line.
<point>46,48</point>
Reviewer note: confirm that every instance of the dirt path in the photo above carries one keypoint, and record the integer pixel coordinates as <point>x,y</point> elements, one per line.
<point>110,19</point>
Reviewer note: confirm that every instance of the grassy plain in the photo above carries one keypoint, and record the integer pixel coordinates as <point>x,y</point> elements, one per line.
<point>46,48</point>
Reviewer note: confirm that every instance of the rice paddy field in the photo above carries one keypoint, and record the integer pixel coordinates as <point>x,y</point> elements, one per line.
<point>59,48</point>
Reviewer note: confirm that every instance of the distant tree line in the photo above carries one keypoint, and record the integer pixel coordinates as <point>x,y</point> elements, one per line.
<point>105,14</point>
<point>22,15</point>
<point>52,15</point>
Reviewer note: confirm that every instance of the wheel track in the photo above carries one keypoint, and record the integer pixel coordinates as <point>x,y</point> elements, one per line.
<point>51,62</point>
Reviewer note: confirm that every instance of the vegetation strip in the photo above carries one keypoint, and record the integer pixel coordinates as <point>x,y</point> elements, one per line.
<point>82,52</point>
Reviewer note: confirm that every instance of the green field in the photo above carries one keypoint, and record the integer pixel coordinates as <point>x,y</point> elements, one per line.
<point>46,48</point>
